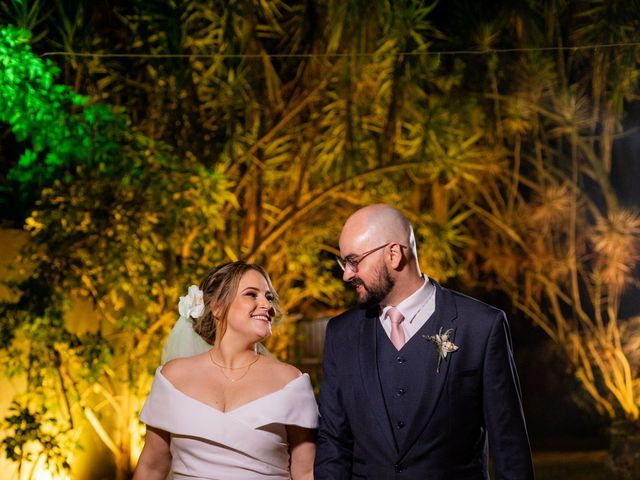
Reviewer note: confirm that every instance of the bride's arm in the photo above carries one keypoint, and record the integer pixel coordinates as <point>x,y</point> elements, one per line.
<point>302,448</point>
<point>155,459</point>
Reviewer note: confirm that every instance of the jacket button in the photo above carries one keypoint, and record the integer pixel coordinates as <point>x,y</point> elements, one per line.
<point>400,359</point>
<point>400,424</point>
<point>400,392</point>
<point>398,468</point>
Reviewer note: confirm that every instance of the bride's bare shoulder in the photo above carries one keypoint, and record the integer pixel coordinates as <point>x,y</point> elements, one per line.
<point>178,369</point>
<point>282,372</point>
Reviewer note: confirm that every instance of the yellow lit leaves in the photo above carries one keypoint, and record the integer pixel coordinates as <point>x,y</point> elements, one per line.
<point>33,225</point>
<point>616,240</point>
<point>441,243</point>
<point>117,300</point>
<point>519,116</point>
<point>551,207</point>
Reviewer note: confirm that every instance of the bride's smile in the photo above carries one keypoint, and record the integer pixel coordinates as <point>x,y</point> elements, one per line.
<point>252,312</point>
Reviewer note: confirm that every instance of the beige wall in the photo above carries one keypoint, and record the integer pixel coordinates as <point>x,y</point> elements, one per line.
<point>93,462</point>
<point>10,243</point>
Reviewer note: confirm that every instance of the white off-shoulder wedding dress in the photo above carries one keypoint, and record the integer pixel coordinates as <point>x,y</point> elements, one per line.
<point>249,442</point>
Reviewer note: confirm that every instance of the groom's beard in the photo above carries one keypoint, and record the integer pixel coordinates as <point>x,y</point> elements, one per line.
<point>376,291</point>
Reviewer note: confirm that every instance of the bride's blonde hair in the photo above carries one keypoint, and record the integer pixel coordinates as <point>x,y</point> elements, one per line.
<point>219,288</point>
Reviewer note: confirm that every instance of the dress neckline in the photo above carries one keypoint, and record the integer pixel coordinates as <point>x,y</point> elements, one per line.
<point>233,410</point>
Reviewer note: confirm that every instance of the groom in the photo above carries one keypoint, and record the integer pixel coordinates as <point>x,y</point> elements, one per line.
<point>420,382</point>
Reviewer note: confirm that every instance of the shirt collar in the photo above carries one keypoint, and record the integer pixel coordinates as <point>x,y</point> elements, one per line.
<point>410,305</point>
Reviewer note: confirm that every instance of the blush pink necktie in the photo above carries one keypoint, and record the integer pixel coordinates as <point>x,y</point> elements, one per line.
<point>397,334</point>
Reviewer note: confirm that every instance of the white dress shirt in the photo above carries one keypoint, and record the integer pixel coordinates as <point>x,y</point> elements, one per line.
<point>417,308</point>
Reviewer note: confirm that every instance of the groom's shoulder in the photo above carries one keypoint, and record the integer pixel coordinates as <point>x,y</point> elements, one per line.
<point>346,319</point>
<point>351,314</point>
<point>466,304</point>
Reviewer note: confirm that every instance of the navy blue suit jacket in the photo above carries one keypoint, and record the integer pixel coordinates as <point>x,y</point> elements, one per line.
<point>474,402</point>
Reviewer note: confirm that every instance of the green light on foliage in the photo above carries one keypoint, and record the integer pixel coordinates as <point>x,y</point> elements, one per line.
<point>41,113</point>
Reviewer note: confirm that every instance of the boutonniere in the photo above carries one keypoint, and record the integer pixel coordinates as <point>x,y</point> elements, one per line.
<point>443,344</point>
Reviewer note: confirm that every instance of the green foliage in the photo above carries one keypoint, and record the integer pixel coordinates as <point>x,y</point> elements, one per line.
<point>58,126</point>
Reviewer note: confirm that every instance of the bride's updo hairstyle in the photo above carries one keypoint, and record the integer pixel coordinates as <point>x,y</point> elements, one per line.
<point>219,288</point>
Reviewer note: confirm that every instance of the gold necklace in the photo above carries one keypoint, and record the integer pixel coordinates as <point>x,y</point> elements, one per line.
<point>222,368</point>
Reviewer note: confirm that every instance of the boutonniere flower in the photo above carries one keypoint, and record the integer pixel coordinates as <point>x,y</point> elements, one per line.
<point>443,344</point>
<point>191,305</point>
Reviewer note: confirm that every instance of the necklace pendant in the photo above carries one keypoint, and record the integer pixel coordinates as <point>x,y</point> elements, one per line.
<point>223,368</point>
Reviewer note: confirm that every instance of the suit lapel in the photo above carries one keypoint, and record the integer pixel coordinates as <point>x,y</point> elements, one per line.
<point>368,359</point>
<point>432,383</point>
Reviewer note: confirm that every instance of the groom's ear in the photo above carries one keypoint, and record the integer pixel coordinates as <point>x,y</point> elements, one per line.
<point>396,256</point>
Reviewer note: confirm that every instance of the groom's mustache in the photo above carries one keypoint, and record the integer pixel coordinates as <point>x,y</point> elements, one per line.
<point>356,282</point>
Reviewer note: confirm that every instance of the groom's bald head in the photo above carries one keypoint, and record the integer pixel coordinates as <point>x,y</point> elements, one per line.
<point>376,225</point>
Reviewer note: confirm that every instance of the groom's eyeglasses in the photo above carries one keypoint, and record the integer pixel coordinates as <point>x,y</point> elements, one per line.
<point>352,261</point>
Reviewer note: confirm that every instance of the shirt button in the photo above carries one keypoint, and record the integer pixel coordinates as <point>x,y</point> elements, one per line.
<point>400,392</point>
<point>400,424</point>
<point>400,359</point>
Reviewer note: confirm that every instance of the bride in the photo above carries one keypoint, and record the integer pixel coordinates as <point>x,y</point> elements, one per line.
<point>228,412</point>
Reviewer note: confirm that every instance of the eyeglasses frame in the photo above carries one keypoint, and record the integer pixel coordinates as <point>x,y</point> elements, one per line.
<point>353,264</point>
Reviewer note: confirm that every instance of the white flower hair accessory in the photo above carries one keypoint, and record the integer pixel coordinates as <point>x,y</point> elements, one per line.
<point>192,305</point>
<point>443,344</point>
